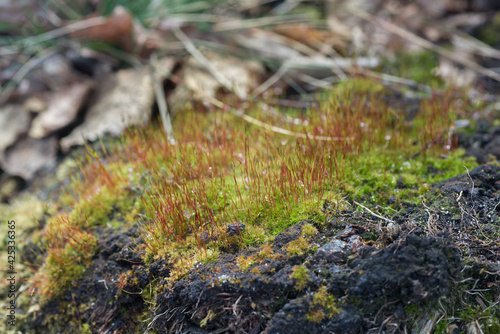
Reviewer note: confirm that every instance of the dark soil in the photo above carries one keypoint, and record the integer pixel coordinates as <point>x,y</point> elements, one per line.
<point>483,144</point>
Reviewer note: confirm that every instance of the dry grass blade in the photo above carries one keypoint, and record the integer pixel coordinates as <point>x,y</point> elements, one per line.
<point>476,45</point>
<point>319,83</point>
<point>331,63</point>
<point>269,82</point>
<point>270,127</point>
<point>391,27</point>
<point>285,66</point>
<point>373,213</point>
<point>190,47</point>
<point>259,22</point>
<point>66,30</point>
<point>188,44</point>
<point>391,78</point>
<point>287,41</point>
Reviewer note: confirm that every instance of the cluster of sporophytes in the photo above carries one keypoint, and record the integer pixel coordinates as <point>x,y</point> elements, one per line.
<point>70,249</point>
<point>257,177</point>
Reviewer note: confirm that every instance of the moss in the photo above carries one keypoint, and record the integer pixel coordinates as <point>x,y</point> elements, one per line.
<point>299,247</point>
<point>441,328</point>
<point>301,276</point>
<point>323,306</point>
<point>266,252</point>
<point>488,319</point>
<point>70,250</point>
<point>97,210</point>
<point>207,255</point>
<point>149,294</point>
<point>378,179</point>
<point>308,230</point>
<point>26,208</point>
<point>355,87</point>
<point>211,315</point>
<point>255,270</point>
<point>403,66</point>
<point>413,310</point>
<point>85,329</point>
<point>222,171</point>
<point>255,235</point>
<point>245,262</point>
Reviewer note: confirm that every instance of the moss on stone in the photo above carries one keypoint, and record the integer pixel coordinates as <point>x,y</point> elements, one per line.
<point>301,276</point>
<point>323,306</point>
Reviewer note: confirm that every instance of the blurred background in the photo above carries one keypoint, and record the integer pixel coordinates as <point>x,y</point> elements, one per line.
<point>74,71</point>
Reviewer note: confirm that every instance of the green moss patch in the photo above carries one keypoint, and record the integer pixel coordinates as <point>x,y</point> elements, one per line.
<point>263,171</point>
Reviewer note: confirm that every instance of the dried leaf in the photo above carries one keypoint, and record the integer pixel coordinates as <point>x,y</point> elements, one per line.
<point>197,82</point>
<point>62,110</point>
<point>116,29</point>
<point>28,156</point>
<point>14,121</point>
<point>125,99</point>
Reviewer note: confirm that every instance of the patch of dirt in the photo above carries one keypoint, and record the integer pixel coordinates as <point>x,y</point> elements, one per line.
<point>482,144</point>
<point>107,296</point>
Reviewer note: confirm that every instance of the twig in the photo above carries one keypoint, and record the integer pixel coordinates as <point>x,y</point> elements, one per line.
<point>373,213</point>
<point>269,82</point>
<point>162,101</point>
<point>157,316</point>
<point>429,326</point>
<point>235,306</point>
<point>472,190</point>
<point>188,44</point>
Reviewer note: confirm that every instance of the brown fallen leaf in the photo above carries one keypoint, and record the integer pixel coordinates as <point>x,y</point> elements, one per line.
<point>125,99</point>
<point>62,110</point>
<point>35,104</point>
<point>197,82</point>
<point>14,121</point>
<point>29,155</point>
<point>116,29</point>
